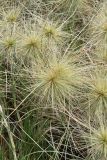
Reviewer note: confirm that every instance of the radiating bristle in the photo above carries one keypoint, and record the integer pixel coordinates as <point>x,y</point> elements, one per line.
<point>53,80</point>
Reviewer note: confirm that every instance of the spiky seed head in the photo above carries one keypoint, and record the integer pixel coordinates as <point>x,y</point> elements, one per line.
<point>57,72</point>
<point>98,140</point>
<point>97,91</point>
<point>50,31</point>
<point>57,79</point>
<point>100,87</point>
<point>53,31</point>
<point>8,43</point>
<point>32,42</point>
<point>11,15</point>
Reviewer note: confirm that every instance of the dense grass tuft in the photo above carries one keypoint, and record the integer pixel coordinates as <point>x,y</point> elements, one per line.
<point>53,80</point>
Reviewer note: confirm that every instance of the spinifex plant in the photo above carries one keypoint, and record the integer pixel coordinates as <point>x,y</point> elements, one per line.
<point>53,79</point>
<point>57,79</point>
<point>10,17</point>
<point>53,31</point>
<point>97,91</point>
<point>32,42</point>
<point>97,139</point>
<point>8,43</point>
<point>31,45</point>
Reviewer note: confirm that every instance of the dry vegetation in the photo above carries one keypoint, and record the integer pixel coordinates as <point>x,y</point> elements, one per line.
<point>53,80</point>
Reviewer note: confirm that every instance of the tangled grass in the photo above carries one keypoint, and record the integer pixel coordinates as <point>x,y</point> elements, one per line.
<point>53,80</point>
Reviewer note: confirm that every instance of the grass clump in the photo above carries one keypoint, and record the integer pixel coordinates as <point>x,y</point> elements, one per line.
<point>98,142</point>
<point>53,32</point>
<point>32,42</point>
<point>57,79</point>
<point>8,43</point>
<point>12,16</point>
<point>97,91</point>
<point>53,80</point>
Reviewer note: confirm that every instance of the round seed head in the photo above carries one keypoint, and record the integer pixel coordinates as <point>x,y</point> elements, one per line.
<point>97,91</point>
<point>8,43</point>
<point>12,15</point>
<point>98,140</point>
<point>99,87</point>
<point>57,80</point>
<point>52,31</point>
<point>32,42</point>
